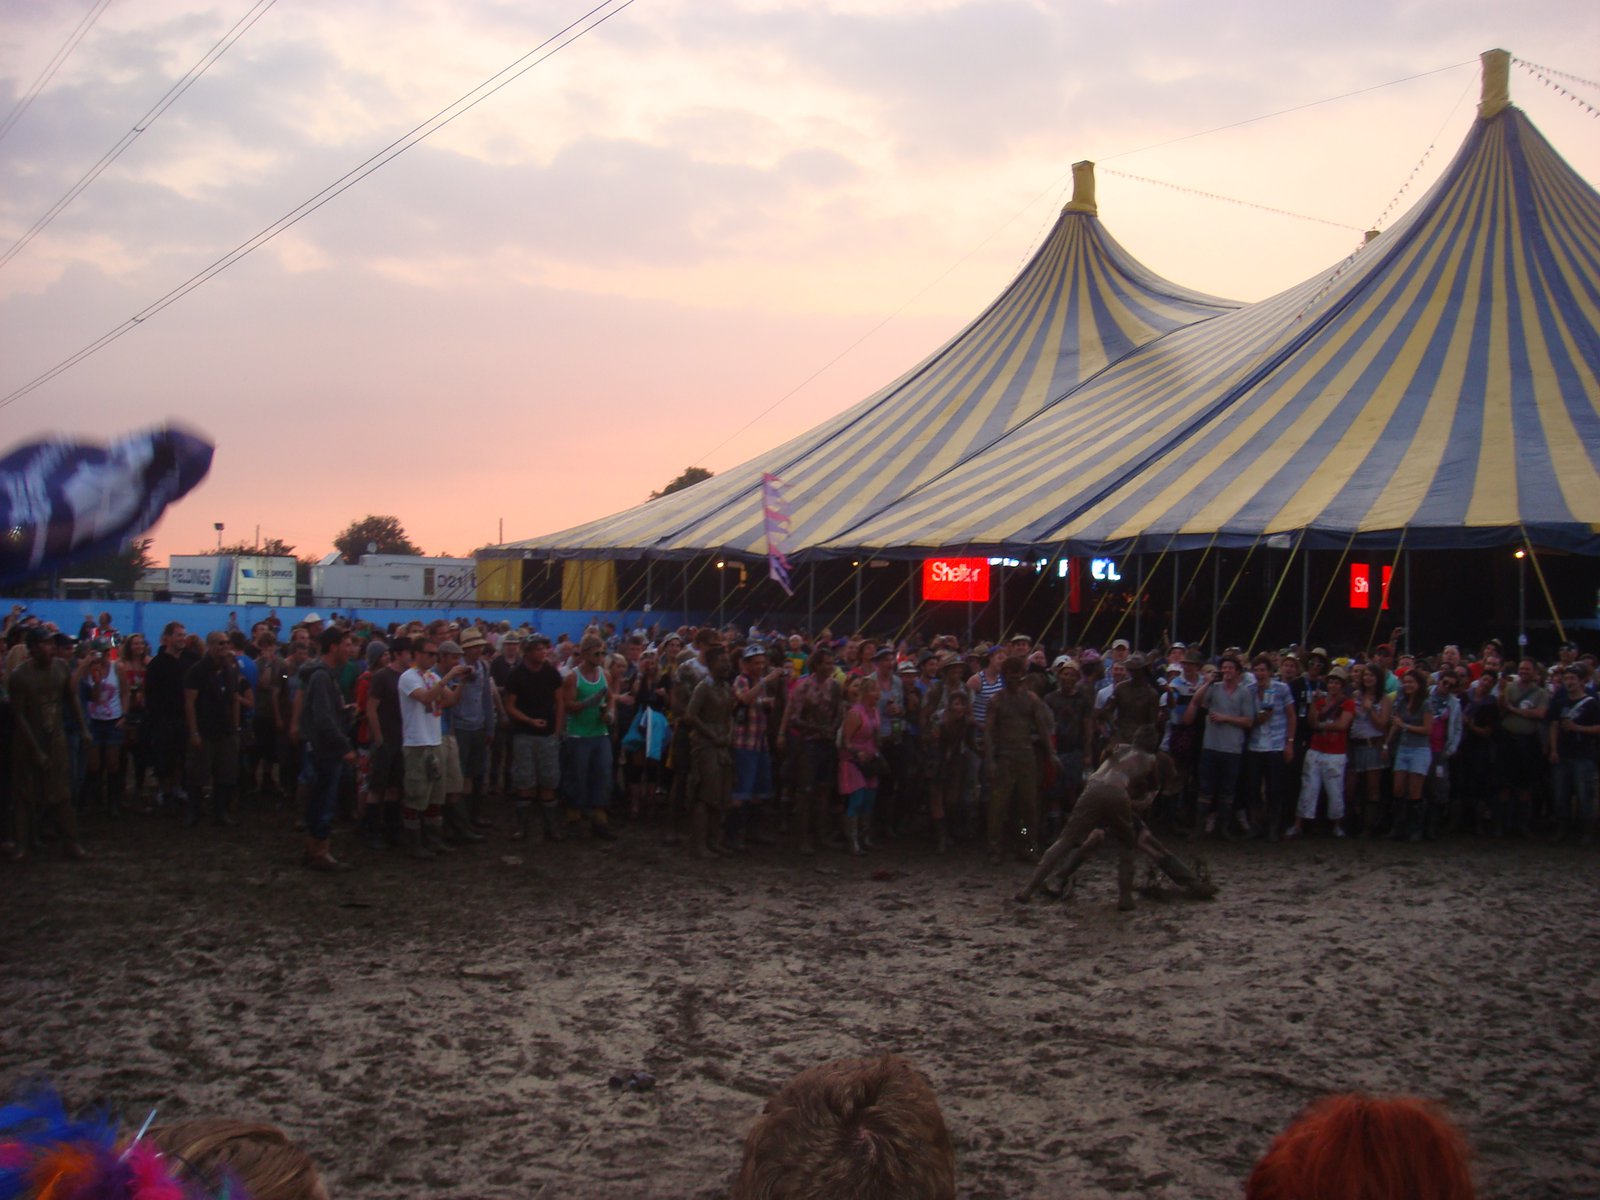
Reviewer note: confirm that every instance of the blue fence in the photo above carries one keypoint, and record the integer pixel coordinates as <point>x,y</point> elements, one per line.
<point>149,617</point>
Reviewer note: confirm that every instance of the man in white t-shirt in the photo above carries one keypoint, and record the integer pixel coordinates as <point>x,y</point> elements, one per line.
<point>423,697</point>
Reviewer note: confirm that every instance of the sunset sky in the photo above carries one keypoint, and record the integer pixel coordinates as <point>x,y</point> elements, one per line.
<point>696,231</point>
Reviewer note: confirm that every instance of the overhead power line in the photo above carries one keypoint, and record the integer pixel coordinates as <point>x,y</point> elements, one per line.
<point>143,123</point>
<point>515,70</point>
<point>51,67</point>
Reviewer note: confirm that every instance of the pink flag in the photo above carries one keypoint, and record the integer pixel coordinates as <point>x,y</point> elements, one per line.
<point>775,513</point>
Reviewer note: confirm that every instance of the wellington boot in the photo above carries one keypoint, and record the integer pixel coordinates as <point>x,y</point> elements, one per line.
<point>941,835</point>
<point>1125,902</point>
<point>416,847</point>
<point>460,826</point>
<point>433,838</point>
<point>852,834</point>
<point>524,817</point>
<point>550,815</point>
<point>1186,877</point>
<point>319,856</point>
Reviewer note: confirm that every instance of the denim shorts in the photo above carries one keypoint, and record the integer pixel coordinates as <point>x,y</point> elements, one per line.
<point>1414,759</point>
<point>105,733</point>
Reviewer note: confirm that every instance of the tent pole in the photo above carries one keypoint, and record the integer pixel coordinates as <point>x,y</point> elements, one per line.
<point>811,599</point>
<point>1216,577</point>
<point>1305,599</point>
<point>1406,567</point>
<point>722,584</point>
<point>1138,607</point>
<point>969,622</point>
<point>647,588</point>
<point>861,565</point>
<point>1177,560</point>
<point>1000,589</point>
<point>1066,605</point>
<point>911,595</point>
<point>684,576</point>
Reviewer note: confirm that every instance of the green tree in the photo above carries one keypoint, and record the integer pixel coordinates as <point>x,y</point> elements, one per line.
<point>690,477</point>
<point>122,567</point>
<point>273,547</point>
<point>386,533</point>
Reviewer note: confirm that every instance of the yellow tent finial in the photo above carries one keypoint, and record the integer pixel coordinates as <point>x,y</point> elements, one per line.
<point>1083,189</point>
<point>1496,83</point>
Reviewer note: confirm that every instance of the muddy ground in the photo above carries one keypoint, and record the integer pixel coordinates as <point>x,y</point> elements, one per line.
<point>448,1029</point>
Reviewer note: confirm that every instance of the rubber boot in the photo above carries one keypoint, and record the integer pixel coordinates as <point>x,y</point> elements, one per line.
<point>114,786</point>
<point>191,810</point>
<point>852,834</point>
<point>600,825</point>
<point>1205,822</point>
<point>549,814</point>
<point>1185,876</point>
<point>1414,819</point>
<point>221,801</point>
<point>433,837</point>
<point>1432,818</point>
<point>460,826</point>
<point>415,846</point>
<point>1402,821</point>
<point>1058,885</point>
<point>1125,883</point>
<point>941,834</point>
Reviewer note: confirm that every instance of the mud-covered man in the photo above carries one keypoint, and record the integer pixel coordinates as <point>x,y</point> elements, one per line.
<point>1019,733</point>
<point>1113,799</point>
<point>710,720</point>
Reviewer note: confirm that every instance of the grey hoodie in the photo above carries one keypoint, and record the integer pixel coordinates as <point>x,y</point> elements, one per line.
<point>322,722</point>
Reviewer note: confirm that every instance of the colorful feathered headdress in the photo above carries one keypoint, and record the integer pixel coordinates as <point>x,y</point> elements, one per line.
<point>45,1154</point>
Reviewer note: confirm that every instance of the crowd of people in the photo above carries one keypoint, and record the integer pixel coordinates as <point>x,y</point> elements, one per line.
<point>433,735</point>
<point>851,1129</point>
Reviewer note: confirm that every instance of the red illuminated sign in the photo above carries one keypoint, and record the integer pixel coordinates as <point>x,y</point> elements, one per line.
<point>955,579</point>
<point>1361,585</point>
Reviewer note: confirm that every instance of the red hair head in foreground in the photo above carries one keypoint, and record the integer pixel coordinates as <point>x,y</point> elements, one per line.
<point>1355,1147</point>
<point>857,1128</point>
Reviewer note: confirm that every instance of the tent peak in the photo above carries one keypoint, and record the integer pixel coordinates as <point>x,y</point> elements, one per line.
<point>1496,96</point>
<point>1082,190</point>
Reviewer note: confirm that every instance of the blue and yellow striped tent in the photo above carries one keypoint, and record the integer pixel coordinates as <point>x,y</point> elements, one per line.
<point>1079,306</point>
<point>1436,390</point>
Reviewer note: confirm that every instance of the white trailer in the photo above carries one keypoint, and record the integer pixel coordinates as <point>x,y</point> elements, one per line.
<point>224,579</point>
<point>394,581</point>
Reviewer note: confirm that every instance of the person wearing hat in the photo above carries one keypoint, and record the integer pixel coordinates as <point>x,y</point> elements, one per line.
<point>1073,715</point>
<point>810,718</point>
<point>590,706</point>
<point>754,699</point>
<point>709,719</point>
<point>476,716</point>
<point>1134,709</point>
<point>1331,715</point>
<point>40,694</point>
<point>1018,735</point>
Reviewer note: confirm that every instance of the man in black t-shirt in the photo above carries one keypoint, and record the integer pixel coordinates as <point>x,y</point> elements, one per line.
<point>164,713</point>
<point>211,691</point>
<point>536,711</point>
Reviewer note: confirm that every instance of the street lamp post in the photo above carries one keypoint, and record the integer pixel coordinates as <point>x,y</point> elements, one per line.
<point>217,525</point>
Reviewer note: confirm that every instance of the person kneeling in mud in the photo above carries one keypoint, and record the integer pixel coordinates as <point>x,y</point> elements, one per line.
<point>1113,799</point>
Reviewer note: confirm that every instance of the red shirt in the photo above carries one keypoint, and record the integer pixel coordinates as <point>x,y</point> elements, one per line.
<point>1331,741</point>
